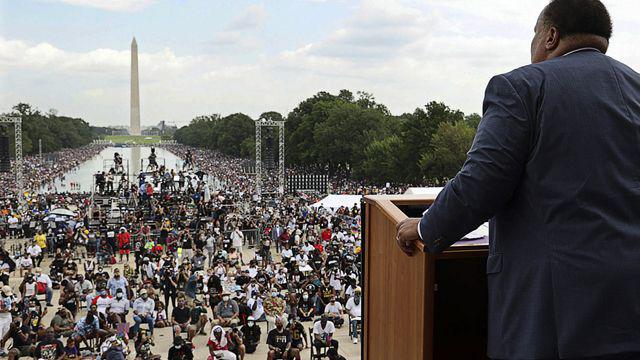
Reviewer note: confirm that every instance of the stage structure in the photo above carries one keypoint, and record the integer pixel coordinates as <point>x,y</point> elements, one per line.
<point>260,123</point>
<point>17,122</point>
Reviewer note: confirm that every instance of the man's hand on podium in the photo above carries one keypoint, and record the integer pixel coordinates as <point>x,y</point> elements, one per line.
<point>407,235</point>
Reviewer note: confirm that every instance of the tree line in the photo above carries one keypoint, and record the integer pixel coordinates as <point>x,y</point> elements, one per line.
<point>352,134</point>
<point>56,132</point>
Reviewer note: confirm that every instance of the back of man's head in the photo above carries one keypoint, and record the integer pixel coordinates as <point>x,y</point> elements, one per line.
<point>578,17</point>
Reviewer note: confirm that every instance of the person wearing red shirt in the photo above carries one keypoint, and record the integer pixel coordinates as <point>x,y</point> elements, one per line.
<point>124,243</point>
<point>326,235</point>
<point>318,246</point>
<point>219,345</point>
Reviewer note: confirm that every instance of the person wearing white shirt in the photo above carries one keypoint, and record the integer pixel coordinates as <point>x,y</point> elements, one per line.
<point>253,271</point>
<point>143,309</point>
<point>13,226</point>
<point>102,302</point>
<point>354,308</point>
<point>30,289</point>
<point>211,248</point>
<point>237,239</point>
<point>255,304</point>
<point>148,269</point>
<point>25,263</point>
<point>118,308</point>
<point>333,311</point>
<point>303,263</point>
<point>35,251</point>
<point>335,280</point>
<point>307,248</point>
<point>287,253</point>
<point>83,288</point>
<point>323,334</point>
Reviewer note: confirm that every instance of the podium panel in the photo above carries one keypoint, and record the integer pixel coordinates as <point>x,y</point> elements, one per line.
<point>421,307</point>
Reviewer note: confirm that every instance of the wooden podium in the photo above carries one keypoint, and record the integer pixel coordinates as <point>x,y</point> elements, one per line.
<point>422,307</point>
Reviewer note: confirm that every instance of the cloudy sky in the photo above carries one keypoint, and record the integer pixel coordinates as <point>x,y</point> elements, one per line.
<point>225,56</point>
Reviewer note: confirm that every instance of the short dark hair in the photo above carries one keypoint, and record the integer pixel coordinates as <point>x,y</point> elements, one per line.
<point>573,17</point>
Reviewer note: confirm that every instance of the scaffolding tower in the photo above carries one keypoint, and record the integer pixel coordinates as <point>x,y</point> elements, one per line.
<point>260,123</point>
<point>17,122</point>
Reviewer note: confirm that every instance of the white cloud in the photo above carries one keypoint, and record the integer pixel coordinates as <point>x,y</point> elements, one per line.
<point>406,53</point>
<point>15,54</point>
<point>112,5</point>
<point>239,34</point>
<point>252,17</point>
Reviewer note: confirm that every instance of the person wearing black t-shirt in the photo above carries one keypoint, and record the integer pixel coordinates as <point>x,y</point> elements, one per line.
<point>306,308</point>
<point>243,279</point>
<point>181,320</point>
<point>169,286</point>
<point>279,341</point>
<point>298,334</point>
<point>49,348</point>
<point>215,290</point>
<point>327,292</point>
<point>180,350</point>
<point>251,333</point>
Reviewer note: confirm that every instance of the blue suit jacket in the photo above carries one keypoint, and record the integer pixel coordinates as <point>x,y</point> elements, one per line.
<point>555,165</point>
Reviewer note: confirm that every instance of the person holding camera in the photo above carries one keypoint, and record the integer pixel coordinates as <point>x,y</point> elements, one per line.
<point>169,284</point>
<point>143,345</point>
<point>23,339</point>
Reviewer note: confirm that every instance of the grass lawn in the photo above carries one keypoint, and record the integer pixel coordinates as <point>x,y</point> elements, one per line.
<point>131,139</point>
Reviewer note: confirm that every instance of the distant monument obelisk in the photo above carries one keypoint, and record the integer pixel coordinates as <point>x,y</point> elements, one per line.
<point>134,127</point>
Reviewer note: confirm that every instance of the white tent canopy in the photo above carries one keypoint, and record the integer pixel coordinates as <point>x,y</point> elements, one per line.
<point>423,190</point>
<point>62,212</point>
<point>334,202</point>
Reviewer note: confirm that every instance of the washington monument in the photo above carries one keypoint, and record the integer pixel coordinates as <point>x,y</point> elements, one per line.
<point>134,127</point>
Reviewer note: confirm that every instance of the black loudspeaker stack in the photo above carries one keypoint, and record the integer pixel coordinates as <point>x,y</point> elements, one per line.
<point>5,160</point>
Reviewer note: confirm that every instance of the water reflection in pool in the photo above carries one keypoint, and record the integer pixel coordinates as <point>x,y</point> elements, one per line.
<point>134,159</point>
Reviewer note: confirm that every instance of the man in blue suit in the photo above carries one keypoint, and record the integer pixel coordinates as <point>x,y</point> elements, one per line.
<point>555,165</point>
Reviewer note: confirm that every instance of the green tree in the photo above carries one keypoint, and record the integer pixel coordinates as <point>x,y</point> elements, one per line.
<point>472,120</point>
<point>383,161</point>
<point>55,132</point>
<point>447,153</point>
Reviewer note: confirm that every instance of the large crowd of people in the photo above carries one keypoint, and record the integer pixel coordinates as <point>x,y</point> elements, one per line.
<point>205,260</point>
<point>40,173</point>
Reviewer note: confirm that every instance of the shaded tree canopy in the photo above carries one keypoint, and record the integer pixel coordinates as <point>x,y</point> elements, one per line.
<point>353,134</point>
<point>56,132</point>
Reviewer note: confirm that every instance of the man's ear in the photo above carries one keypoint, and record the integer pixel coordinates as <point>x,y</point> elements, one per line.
<point>552,40</point>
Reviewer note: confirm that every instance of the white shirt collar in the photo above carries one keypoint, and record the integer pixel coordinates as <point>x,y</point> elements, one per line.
<point>581,49</point>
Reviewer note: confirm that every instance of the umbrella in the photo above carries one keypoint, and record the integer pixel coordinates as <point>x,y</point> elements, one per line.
<point>56,218</point>
<point>62,212</point>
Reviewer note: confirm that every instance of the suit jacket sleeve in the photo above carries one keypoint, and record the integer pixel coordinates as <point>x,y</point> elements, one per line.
<point>490,174</point>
